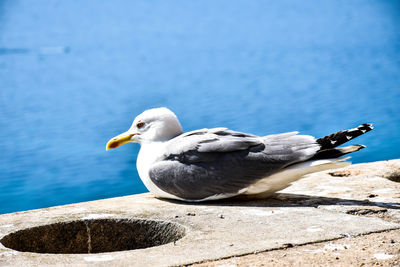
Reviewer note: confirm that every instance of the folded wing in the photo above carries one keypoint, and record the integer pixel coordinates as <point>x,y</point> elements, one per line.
<point>208,162</point>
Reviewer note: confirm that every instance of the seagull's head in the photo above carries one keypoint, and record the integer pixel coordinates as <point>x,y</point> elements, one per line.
<point>153,125</point>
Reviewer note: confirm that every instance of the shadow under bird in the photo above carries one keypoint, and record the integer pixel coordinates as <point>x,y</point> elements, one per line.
<point>218,163</point>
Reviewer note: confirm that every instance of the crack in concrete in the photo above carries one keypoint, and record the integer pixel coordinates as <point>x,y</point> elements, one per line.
<point>366,211</point>
<point>89,240</point>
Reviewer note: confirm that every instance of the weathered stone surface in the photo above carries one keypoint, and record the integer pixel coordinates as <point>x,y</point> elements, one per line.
<point>320,207</point>
<point>375,249</point>
<point>389,169</point>
<point>368,190</point>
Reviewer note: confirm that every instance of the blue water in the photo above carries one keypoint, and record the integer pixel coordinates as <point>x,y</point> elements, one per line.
<point>75,73</point>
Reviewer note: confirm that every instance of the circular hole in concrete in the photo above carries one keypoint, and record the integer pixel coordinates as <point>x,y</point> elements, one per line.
<point>94,236</point>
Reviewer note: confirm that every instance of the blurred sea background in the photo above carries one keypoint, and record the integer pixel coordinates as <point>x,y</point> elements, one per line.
<point>74,73</point>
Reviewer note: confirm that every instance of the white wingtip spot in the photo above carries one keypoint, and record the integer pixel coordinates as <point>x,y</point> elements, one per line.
<point>348,137</point>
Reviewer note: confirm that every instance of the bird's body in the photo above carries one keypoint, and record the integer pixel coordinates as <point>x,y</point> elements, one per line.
<point>217,163</point>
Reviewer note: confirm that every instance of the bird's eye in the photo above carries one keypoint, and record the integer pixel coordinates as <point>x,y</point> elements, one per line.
<point>140,125</point>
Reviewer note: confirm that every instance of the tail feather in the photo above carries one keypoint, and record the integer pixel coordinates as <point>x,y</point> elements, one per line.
<point>280,180</point>
<point>337,152</point>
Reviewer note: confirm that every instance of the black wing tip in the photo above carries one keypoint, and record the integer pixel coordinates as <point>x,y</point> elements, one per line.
<point>366,126</point>
<point>341,137</point>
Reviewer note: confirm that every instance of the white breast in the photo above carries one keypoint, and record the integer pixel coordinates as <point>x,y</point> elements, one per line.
<point>148,155</point>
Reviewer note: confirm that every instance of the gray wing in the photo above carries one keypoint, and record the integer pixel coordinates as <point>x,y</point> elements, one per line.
<point>209,162</point>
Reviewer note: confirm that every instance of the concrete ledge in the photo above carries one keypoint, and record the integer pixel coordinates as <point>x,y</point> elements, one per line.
<point>344,203</point>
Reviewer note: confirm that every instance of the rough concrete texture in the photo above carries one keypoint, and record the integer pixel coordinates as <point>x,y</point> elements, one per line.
<point>359,190</point>
<point>327,206</point>
<point>376,249</point>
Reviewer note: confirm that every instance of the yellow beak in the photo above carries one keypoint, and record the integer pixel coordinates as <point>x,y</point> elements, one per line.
<point>119,140</point>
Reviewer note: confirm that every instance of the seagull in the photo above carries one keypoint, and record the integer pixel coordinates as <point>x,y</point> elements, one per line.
<point>218,163</point>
